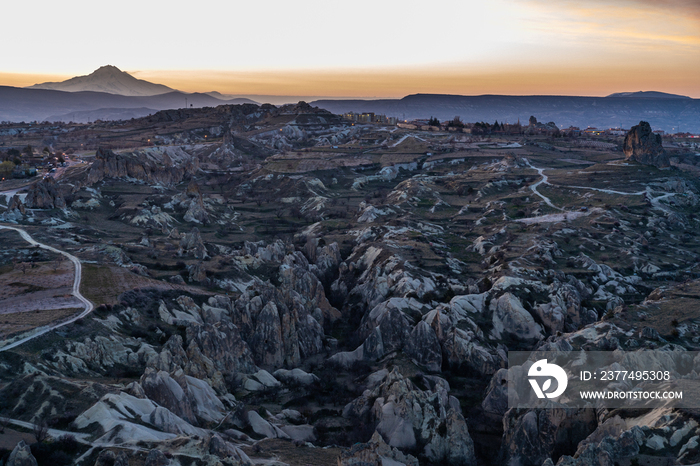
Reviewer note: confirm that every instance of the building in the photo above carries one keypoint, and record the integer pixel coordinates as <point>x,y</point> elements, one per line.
<point>616,131</point>
<point>592,131</point>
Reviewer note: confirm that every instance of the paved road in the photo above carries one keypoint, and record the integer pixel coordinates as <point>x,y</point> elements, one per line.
<point>76,290</point>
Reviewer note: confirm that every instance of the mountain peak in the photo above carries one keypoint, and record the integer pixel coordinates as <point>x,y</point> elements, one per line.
<point>111,69</point>
<point>109,79</point>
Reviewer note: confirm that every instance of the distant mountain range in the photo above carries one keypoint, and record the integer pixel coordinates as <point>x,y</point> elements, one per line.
<point>109,93</point>
<point>649,95</point>
<point>664,111</point>
<point>18,104</point>
<point>109,79</point>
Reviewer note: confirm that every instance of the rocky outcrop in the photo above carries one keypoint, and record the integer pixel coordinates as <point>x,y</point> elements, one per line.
<point>109,458</point>
<point>154,166</point>
<point>375,452</point>
<point>511,319</point>
<point>283,324</point>
<point>16,204</point>
<point>191,243</point>
<point>196,213</point>
<point>424,347</point>
<point>644,146</point>
<point>21,456</point>
<point>410,418</point>
<point>197,272</point>
<point>45,194</point>
<point>156,458</point>
<point>168,392</point>
<point>531,437</point>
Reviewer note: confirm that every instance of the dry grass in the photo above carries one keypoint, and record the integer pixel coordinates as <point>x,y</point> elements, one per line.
<point>10,438</point>
<point>48,285</point>
<point>20,322</point>
<point>103,284</point>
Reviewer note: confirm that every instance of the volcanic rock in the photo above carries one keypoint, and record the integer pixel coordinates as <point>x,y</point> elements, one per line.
<point>375,452</point>
<point>644,146</point>
<point>21,456</point>
<point>45,194</point>
<point>16,203</point>
<point>152,166</point>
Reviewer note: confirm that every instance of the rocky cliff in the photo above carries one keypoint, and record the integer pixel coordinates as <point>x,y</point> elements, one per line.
<point>45,194</point>
<point>154,166</point>
<point>644,146</point>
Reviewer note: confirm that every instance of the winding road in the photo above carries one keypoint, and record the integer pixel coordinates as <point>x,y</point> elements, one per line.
<point>543,180</point>
<point>655,201</point>
<point>76,290</point>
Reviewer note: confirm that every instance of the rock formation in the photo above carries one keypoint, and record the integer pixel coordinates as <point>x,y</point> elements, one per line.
<point>644,146</point>
<point>21,456</point>
<point>150,166</point>
<point>45,194</point>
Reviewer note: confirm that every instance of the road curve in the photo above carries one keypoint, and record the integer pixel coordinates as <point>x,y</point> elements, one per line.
<point>76,290</point>
<point>544,180</point>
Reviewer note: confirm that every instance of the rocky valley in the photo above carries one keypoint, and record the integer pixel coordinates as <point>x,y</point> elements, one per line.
<point>268,285</point>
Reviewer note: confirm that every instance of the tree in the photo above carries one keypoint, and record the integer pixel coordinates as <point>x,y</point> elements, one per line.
<point>496,126</point>
<point>41,430</point>
<point>533,121</point>
<point>4,422</point>
<point>456,123</point>
<point>6,168</point>
<point>433,121</point>
<point>57,262</point>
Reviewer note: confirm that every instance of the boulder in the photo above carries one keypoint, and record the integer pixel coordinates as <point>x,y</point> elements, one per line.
<point>295,376</point>
<point>261,427</point>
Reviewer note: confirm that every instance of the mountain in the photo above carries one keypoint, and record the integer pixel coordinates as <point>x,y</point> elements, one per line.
<point>649,95</point>
<point>108,79</point>
<point>22,104</point>
<point>602,112</point>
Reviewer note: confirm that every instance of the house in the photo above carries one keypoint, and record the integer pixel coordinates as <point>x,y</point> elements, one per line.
<point>591,131</point>
<point>23,171</point>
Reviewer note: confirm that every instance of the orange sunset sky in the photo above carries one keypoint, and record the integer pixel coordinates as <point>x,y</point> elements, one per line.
<point>379,48</point>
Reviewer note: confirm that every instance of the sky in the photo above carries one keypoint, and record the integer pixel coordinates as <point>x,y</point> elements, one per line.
<point>362,48</point>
